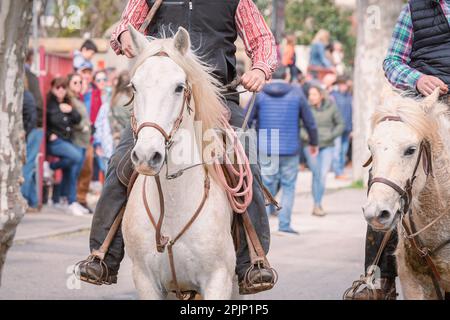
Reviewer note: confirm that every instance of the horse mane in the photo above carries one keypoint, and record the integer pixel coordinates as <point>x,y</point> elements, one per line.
<point>413,111</point>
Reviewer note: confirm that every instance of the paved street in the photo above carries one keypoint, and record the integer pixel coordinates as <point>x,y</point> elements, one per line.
<point>319,264</point>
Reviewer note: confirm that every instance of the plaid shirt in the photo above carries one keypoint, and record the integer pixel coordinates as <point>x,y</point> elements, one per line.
<point>396,64</point>
<point>251,27</point>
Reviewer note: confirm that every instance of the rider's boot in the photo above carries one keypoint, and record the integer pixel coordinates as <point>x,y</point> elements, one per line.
<point>253,278</point>
<point>386,291</point>
<point>387,268</point>
<point>103,270</point>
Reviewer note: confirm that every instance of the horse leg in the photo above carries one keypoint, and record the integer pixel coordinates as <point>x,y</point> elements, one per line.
<point>146,284</point>
<point>219,286</point>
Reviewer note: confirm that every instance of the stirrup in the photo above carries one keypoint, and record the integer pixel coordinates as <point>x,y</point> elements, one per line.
<point>104,278</point>
<point>247,286</point>
<point>361,286</point>
<point>356,287</point>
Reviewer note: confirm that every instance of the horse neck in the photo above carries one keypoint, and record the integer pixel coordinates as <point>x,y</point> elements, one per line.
<point>434,199</point>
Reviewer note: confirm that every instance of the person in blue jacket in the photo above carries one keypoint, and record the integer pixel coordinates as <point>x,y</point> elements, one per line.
<point>276,116</point>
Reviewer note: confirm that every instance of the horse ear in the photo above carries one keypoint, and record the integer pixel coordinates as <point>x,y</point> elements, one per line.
<point>182,41</point>
<point>429,102</point>
<point>140,42</point>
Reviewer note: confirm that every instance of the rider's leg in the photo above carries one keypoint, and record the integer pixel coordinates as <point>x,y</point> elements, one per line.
<point>387,264</point>
<point>112,199</point>
<point>257,209</point>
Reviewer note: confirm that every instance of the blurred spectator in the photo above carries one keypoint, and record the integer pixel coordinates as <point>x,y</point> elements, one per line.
<point>278,109</point>
<point>85,55</point>
<point>111,73</point>
<point>328,81</point>
<point>103,140</point>
<point>92,98</point>
<point>119,115</point>
<point>61,119</point>
<point>81,137</point>
<point>330,125</point>
<point>290,58</point>
<point>318,56</point>
<point>33,87</point>
<point>337,56</point>
<point>344,101</point>
<point>34,137</point>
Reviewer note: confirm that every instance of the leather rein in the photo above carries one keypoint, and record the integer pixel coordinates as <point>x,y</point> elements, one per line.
<point>405,193</point>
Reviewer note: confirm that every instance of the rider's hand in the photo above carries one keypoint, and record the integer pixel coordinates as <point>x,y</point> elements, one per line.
<point>427,84</point>
<point>314,151</point>
<point>65,108</point>
<point>53,137</point>
<point>254,80</point>
<point>127,44</point>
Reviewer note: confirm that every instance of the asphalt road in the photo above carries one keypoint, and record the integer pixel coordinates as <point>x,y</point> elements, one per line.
<point>319,264</point>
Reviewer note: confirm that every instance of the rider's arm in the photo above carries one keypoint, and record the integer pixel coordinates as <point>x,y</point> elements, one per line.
<point>396,65</point>
<point>258,39</point>
<point>135,13</point>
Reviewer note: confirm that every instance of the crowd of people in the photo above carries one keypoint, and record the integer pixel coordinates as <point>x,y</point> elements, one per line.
<point>312,114</point>
<point>85,116</point>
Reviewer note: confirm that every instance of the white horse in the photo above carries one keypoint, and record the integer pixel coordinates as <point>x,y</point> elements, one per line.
<point>204,256</point>
<point>401,127</point>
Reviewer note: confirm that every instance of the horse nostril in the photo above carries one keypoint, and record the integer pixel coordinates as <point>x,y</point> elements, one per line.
<point>134,157</point>
<point>156,159</point>
<point>385,215</point>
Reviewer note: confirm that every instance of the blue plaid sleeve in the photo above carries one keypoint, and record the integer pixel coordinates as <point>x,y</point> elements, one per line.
<point>396,65</point>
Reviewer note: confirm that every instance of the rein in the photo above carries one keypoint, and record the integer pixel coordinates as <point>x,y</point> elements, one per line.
<point>405,193</point>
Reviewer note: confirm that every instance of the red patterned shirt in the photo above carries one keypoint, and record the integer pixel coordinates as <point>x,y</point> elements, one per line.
<point>251,27</point>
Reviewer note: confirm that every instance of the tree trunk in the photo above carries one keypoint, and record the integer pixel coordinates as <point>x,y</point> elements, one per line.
<point>376,20</point>
<point>278,19</point>
<point>15,20</point>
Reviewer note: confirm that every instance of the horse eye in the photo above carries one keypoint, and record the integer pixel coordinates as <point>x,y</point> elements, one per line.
<point>179,89</point>
<point>410,151</point>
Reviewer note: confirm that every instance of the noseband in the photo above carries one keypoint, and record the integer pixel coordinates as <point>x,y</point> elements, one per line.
<point>406,192</point>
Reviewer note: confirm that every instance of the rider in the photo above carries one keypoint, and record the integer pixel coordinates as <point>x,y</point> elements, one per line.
<point>213,27</point>
<point>418,60</point>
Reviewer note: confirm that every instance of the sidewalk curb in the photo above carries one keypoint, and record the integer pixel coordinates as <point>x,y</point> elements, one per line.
<point>45,235</point>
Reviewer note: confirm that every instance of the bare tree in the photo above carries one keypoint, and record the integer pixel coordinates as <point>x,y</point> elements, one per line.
<point>15,20</point>
<point>376,20</point>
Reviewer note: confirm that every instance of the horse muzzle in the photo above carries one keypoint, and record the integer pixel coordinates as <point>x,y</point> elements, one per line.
<point>380,218</point>
<point>147,163</point>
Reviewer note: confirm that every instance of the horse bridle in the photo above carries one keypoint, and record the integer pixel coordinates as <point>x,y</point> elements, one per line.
<point>168,137</point>
<point>406,192</point>
<point>406,197</point>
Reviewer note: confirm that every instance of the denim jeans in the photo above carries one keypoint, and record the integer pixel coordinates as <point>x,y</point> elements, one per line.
<point>286,177</point>
<point>29,187</point>
<point>64,189</point>
<point>341,146</point>
<point>70,158</point>
<point>320,166</point>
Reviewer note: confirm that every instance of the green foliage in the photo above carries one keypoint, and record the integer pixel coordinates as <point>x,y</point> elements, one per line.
<point>306,17</point>
<point>358,185</point>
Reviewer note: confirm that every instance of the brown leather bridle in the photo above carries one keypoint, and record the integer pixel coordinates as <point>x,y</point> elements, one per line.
<point>406,211</point>
<point>406,192</point>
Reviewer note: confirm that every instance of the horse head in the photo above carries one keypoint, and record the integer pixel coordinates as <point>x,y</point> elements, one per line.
<point>403,133</point>
<point>160,97</point>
